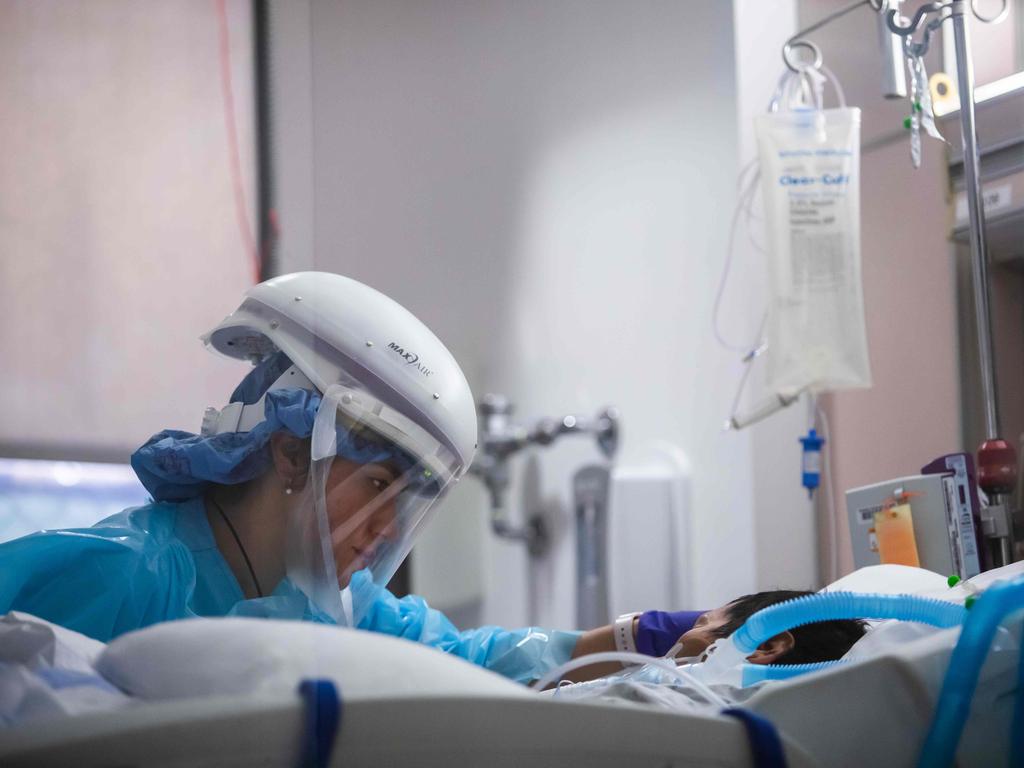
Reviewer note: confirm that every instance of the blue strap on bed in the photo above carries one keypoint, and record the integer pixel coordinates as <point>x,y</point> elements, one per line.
<point>764,739</point>
<point>323,720</point>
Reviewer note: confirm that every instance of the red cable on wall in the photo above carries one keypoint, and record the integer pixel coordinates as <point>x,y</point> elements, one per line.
<point>227,92</point>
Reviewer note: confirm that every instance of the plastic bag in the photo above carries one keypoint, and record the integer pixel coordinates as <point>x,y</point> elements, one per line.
<point>810,176</point>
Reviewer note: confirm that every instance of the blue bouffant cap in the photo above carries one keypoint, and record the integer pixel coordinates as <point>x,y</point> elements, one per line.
<point>174,465</point>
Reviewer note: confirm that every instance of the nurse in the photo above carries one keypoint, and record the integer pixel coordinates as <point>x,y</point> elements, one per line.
<point>301,497</point>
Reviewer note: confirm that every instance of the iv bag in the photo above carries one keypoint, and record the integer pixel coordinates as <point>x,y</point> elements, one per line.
<point>810,176</point>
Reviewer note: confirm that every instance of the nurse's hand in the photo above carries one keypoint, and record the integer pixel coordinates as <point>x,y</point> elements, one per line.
<point>654,634</point>
<point>658,631</point>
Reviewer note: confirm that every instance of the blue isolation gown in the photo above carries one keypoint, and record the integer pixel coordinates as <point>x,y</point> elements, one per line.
<point>159,562</point>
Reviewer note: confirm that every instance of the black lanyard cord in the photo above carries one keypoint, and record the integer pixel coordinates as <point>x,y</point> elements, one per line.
<point>238,541</point>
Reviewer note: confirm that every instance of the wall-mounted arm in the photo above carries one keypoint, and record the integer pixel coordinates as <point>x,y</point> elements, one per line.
<point>500,439</point>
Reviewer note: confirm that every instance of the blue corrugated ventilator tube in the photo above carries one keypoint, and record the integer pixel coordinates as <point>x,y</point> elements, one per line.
<point>826,606</point>
<point>990,609</point>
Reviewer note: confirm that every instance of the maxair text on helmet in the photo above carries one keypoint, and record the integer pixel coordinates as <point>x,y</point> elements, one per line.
<point>411,358</point>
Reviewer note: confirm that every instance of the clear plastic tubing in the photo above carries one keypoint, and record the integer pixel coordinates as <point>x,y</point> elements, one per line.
<point>664,664</point>
<point>954,705</point>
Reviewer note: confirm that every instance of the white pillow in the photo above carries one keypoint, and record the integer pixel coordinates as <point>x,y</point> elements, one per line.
<point>205,657</point>
<point>905,580</point>
<point>890,580</point>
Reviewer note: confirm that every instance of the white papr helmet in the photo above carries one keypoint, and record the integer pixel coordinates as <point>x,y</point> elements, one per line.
<point>336,330</point>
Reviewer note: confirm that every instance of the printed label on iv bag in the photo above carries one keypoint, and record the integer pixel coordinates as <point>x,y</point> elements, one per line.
<point>810,166</point>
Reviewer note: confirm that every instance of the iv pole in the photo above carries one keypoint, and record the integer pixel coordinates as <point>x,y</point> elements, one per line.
<point>979,251</point>
<point>997,460</point>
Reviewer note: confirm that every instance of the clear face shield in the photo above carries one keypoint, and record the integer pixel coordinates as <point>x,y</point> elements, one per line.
<point>374,477</point>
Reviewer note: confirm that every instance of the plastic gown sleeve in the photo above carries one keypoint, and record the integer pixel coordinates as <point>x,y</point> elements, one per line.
<point>100,582</point>
<point>519,654</point>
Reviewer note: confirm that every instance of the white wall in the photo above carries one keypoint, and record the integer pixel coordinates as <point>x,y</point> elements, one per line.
<point>119,243</point>
<point>548,186</point>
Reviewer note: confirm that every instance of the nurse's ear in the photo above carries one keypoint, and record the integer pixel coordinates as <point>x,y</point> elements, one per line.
<point>771,651</point>
<point>291,459</point>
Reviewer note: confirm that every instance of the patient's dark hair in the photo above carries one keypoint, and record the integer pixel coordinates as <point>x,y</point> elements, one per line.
<point>821,641</point>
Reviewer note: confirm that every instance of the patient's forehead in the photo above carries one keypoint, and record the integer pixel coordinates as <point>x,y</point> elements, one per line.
<point>719,615</point>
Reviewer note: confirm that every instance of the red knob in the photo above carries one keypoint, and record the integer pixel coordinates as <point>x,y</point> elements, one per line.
<point>997,467</point>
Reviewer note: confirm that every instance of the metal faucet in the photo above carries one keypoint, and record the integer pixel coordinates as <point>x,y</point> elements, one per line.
<point>500,440</point>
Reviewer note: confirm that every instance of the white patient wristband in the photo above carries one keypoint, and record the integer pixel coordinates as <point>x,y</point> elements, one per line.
<point>623,630</point>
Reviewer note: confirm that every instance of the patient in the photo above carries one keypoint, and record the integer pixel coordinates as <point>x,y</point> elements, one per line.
<point>821,641</point>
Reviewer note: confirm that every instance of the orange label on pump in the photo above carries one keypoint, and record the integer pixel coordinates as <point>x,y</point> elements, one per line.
<point>894,528</point>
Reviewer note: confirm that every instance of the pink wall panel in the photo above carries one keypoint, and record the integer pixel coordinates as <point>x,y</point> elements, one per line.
<point>119,243</point>
<point>911,414</point>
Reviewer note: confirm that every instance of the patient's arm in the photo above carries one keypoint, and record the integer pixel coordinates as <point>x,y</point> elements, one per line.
<point>659,632</point>
<point>597,640</point>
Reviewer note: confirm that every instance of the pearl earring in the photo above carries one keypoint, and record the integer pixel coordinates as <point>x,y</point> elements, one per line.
<point>288,491</point>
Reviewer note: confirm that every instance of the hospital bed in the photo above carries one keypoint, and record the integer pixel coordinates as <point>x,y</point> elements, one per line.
<point>403,704</point>
<point>422,731</point>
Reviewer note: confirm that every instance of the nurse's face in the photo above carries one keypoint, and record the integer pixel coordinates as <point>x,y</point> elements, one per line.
<point>361,510</point>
